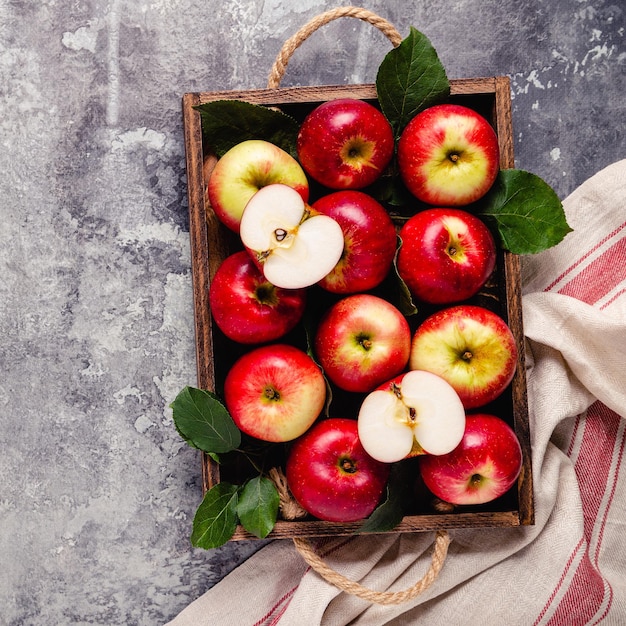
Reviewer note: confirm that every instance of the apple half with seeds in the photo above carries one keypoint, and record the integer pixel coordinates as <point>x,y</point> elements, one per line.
<point>294,247</point>
<point>415,413</point>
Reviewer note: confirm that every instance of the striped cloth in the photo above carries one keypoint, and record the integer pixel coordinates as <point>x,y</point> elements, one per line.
<point>567,569</point>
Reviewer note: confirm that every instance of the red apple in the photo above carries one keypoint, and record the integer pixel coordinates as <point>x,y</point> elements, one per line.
<point>446,255</point>
<point>345,143</point>
<point>247,307</point>
<point>369,241</point>
<point>243,170</point>
<point>483,467</point>
<point>448,155</point>
<point>362,341</point>
<point>274,392</point>
<point>469,346</point>
<point>330,474</point>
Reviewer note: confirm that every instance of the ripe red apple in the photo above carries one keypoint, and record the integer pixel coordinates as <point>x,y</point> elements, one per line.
<point>362,341</point>
<point>414,413</point>
<point>446,255</point>
<point>448,155</point>
<point>469,346</point>
<point>345,143</point>
<point>247,307</point>
<point>483,467</point>
<point>369,241</point>
<point>243,170</point>
<point>274,392</point>
<point>330,474</point>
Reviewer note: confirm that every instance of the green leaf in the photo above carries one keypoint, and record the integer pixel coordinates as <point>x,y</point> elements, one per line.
<point>410,78</point>
<point>399,293</point>
<point>390,513</point>
<point>225,123</point>
<point>525,211</point>
<point>204,422</point>
<point>216,519</point>
<point>258,506</point>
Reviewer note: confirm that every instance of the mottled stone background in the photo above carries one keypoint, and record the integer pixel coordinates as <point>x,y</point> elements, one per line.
<point>97,491</point>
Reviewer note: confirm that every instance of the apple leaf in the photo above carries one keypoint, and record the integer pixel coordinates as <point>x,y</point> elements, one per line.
<point>525,211</point>
<point>258,506</point>
<point>204,422</point>
<point>216,518</point>
<point>410,78</point>
<point>225,123</point>
<point>399,292</point>
<point>390,512</point>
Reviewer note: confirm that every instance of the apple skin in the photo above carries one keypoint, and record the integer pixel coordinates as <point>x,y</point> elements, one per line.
<point>274,392</point>
<point>330,474</point>
<point>345,143</point>
<point>369,241</point>
<point>483,467</point>
<point>361,341</point>
<point>448,155</point>
<point>243,170</point>
<point>469,346</point>
<point>446,256</point>
<point>247,308</point>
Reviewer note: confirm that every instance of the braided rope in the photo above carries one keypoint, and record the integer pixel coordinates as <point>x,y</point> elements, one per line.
<point>293,43</point>
<point>442,541</point>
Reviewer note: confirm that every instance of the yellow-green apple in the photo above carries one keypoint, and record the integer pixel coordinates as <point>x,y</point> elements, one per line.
<point>446,256</point>
<point>247,308</point>
<point>361,341</point>
<point>274,392</point>
<point>413,414</point>
<point>345,143</point>
<point>483,467</point>
<point>471,347</point>
<point>243,170</point>
<point>448,155</point>
<point>331,476</point>
<point>294,247</point>
<point>369,241</point>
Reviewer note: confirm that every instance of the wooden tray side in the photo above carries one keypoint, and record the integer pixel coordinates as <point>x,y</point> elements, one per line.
<point>210,245</point>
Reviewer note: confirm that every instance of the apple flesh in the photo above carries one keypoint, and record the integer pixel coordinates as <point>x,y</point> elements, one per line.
<point>345,143</point>
<point>446,255</point>
<point>361,341</point>
<point>294,247</point>
<point>483,467</point>
<point>243,170</point>
<point>416,413</point>
<point>448,155</point>
<point>274,392</point>
<point>247,308</point>
<point>331,476</point>
<point>469,346</point>
<point>369,241</point>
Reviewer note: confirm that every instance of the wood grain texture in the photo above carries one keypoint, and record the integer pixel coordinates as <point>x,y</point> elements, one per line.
<point>211,243</point>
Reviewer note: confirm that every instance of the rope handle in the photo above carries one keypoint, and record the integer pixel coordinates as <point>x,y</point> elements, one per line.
<point>291,510</point>
<point>386,598</point>
<point>293,43</point>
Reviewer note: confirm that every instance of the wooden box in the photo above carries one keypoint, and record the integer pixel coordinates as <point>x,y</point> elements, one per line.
<point>211,243</point>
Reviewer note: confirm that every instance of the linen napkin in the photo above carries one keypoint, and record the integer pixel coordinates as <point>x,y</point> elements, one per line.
<point>567,569</point>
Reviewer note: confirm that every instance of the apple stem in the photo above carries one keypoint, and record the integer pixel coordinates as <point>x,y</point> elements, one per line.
<point>467,356</point>
<point>348,466</point>
<point>451,250</point>
<point>475,480</point>
<point>453,157</point>
<point>271,393</point>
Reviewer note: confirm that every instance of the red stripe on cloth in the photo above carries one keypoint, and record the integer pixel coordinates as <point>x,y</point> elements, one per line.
<point>597,469</point>
<point>572,267</point>
<point>601,276</point>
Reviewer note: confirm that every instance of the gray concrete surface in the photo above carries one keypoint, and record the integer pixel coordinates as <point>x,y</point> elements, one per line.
<point>97,490</point>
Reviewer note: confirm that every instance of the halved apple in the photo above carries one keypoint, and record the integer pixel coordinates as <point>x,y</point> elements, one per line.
<point>294,247</point>
<point>415,413</point>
